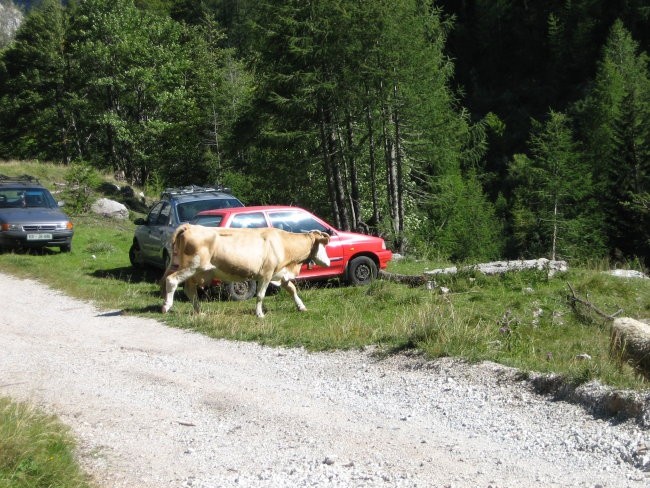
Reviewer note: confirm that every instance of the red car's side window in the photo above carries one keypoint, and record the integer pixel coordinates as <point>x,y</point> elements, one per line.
<point>209,220</point>
<point>295,221</point>
<point>249,220</point>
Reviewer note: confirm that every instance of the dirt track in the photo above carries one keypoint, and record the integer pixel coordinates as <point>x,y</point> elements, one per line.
<point>154,406</point>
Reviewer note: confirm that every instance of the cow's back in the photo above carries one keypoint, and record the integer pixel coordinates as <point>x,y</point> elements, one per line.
<point>236,254</point>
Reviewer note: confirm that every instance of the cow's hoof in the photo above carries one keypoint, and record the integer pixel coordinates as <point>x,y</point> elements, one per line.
<point>302,309</point>
<point>164,309</point>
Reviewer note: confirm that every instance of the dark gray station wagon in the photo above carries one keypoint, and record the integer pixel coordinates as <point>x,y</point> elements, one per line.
<point>152,238</point>
<point>30,217</point>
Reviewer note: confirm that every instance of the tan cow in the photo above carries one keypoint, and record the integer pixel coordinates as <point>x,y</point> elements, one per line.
<point>264,255</point>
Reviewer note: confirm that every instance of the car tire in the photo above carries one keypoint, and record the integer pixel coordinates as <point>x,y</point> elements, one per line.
<point>167,261</point>
<point>135,255</point>
<point>240,290</point>
<point>361,271</point>
<point>66,248</point>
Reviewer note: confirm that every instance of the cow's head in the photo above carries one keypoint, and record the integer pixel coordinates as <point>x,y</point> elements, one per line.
<point>318,252</point>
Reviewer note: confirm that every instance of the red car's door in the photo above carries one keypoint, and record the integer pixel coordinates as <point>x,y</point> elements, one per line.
<point>297,220</point>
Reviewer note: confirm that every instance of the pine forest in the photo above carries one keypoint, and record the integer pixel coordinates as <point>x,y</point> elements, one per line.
<point>463,130</point>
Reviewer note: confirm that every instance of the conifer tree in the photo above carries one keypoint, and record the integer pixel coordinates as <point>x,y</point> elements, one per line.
<point>34,120</point>
<point>554,214</point>
<point>615,120</point>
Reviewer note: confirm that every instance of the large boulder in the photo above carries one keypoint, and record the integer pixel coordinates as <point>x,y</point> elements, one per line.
<point>110,208</point>
<point>630,341</point>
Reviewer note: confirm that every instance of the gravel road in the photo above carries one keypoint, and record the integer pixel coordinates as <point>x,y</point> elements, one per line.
<point>152,406</point>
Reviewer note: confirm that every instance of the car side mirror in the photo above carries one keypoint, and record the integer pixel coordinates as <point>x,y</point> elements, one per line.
<point>140,221</point>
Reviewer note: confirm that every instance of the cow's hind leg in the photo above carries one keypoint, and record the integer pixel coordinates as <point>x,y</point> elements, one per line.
<point>291,288</point>
<point>262,285</point>
<point>191,292</point>
<point>171,283</point>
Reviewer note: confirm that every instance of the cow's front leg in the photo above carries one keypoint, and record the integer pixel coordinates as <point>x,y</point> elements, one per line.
<point>171,283</point>
<point>291,288</point>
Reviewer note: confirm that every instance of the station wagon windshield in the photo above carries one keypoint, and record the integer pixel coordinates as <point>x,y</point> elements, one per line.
<point>187,210</point>
<point>26,198</point>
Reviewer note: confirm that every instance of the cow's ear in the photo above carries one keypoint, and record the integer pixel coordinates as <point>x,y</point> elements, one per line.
<point>323,237</point>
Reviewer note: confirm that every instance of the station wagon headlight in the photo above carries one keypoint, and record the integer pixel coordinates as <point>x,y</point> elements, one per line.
<point>6,227</point>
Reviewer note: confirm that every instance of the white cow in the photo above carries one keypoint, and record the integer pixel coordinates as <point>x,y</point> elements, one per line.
<point>264,255</point>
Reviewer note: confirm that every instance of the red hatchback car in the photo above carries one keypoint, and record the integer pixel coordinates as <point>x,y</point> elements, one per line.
<point>355,258</point>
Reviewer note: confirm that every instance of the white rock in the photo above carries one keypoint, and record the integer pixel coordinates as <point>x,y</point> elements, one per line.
<point>628,273</point>
<point>110,208</point>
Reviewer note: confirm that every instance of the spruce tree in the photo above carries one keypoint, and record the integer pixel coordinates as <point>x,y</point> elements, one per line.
<point>615,120</point>
<point>553,212</point>
<point>34,118</point>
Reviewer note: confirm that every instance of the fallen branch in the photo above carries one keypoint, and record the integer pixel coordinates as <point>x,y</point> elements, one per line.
<point>411,280</point>
<point>573,299</point>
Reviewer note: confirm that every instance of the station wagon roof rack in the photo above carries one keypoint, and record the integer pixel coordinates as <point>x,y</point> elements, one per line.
<point>24,179</point>
<point>195,189</point>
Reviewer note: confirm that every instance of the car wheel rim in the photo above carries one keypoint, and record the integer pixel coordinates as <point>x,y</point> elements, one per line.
<point>363,273</point>
<point>240,288</point>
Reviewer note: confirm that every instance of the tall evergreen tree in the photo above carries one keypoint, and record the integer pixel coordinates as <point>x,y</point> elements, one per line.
<point>554,210</point>
<point>358,92</point>
<point>615,120</point>
<point>34,121</point>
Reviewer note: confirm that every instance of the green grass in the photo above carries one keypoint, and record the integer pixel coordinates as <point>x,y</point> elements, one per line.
<point>36,450</point>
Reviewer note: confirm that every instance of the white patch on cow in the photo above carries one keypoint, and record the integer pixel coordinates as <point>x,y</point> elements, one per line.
<point>321,258</point>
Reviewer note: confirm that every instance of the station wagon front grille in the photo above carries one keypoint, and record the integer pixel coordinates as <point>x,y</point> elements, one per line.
<point>38,228</point>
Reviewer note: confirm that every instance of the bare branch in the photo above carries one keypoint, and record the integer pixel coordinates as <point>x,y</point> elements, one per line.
<point>573,299</point>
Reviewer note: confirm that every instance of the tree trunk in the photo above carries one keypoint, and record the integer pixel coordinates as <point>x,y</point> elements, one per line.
<point>327,166</point>
<point>373,167</point>
<point>354,179</point>
<point>215,128</point>
<point>339,187</point>
<point>399,176</point>
<point>390,154</point>
<point>554,243</point>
